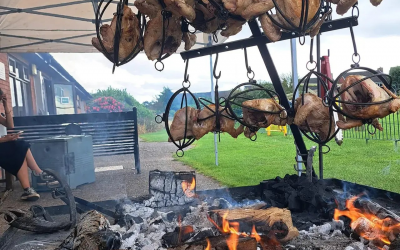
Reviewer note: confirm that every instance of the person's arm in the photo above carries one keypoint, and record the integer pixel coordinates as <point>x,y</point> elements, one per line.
<point>8,122</point>
<point>11,137</point>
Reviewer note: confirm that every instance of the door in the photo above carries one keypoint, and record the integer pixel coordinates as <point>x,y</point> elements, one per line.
<point>49,97</point>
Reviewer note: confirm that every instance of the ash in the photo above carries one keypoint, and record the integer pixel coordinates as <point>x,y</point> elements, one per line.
<point>142,227</point>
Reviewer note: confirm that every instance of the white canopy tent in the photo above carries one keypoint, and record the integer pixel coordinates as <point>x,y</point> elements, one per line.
<point>58,26</point>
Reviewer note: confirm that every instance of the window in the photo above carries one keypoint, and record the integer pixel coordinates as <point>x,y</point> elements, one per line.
<point>20,88</point>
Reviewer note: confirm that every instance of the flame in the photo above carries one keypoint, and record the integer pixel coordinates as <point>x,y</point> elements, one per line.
<point>367,225</point>
<point>189,187</point>
<point>208,244</point>
<point>255,235</point>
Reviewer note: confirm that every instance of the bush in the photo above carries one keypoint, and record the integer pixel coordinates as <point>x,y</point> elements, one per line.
<point>104,105</point>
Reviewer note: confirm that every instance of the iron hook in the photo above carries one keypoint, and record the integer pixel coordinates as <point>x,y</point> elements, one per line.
<point>186,76</point>
<point>215,67</point>
<point>248,68</point>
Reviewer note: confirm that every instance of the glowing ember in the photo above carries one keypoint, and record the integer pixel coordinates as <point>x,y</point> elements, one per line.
<point>208,244</point>
<point>189,187</point>
<point>368,225</point>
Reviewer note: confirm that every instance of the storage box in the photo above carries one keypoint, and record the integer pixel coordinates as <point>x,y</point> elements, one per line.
<point>70,156</point>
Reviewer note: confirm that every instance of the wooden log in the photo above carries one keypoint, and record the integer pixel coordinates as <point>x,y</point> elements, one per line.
<point>91,233</point>
<point>272,222</point>
<point>220,243</point>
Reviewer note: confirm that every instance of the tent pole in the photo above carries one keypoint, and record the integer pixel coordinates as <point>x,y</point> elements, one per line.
<point>213,100</point>
<point>295,80</point>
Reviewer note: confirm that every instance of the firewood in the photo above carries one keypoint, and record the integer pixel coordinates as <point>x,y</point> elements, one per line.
<point>272,222</point>
<point>91,233</point>
<point>220,243</point>
<point>368,206</point>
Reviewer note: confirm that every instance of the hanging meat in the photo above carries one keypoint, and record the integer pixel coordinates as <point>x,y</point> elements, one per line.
<point>201,128</point>
<point>130,35</point>
<point>205,20</point>
<point>177,128</point>
<point>189,40</point>
<point>153,36</point>
<point>178,8</point>
<point>258,119</point>
<point>366,91</point>
<point>290,9</point>
<point>342,6</point>
<point>314,113</point>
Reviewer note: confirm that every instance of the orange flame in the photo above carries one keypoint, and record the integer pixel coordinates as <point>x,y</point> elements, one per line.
<point>189,187</point>
<point>367,225</point>
<point>255,235</point>
<point>208,244</point>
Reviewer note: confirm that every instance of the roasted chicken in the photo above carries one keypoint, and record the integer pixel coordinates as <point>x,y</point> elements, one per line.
<point>366,91</point>
<point>342,6</point>
<point>201,128</point>
<point>130,35</point>
<point>257,119</point>
<point>314,113</point>
<point>177,128</point>
<point>189,40</point>
<point>154,35</point>
<point>178,8</point>
<point>205,20</point>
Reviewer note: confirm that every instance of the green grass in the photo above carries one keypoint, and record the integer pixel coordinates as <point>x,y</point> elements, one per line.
<point>243,162</point>
<point>159,136</point>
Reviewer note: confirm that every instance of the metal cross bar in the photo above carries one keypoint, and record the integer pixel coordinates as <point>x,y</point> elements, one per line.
<point>41,41</point>
<point>254,41</point>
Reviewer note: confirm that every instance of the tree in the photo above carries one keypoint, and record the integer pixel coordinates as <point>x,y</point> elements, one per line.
<point>161,100</point>
<point>394,72</point>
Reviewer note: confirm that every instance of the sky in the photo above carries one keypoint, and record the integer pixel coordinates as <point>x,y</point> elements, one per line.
<point>377,37</point>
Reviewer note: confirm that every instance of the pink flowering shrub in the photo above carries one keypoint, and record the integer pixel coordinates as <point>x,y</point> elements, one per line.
<point>104,105</point>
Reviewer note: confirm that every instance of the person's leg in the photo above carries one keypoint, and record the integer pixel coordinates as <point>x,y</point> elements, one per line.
<point>32,163</point>
<point>23,175</point>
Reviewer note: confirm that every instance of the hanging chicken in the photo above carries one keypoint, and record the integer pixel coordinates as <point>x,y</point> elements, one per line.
<point>254,117</point>
<point>201,128</point>
<point>314,114</point>
<point>178,8</point>
<point>130,35</point>
<point>183,118</point>
<point>366,91</point>
<point>342,6</point>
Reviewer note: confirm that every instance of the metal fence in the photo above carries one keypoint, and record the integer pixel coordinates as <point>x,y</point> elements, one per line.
<point>390,125</point>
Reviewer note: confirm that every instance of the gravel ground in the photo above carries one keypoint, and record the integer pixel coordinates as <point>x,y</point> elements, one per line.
<point>116,184</point>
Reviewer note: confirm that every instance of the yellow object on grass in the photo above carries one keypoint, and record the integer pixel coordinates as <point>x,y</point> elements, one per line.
<point>276,128</point>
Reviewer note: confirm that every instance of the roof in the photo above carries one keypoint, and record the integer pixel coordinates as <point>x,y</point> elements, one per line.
<point>46,63</point>
<point>65,26</point>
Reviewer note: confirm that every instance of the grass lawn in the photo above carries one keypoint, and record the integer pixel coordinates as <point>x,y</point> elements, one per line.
<point>243,162</point>
<point>160,136</point>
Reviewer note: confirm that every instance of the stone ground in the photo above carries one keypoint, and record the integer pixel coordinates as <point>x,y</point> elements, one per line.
<point>116,184</point>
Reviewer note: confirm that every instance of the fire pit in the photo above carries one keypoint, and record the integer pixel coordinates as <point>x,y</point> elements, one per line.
<point>282,213</point>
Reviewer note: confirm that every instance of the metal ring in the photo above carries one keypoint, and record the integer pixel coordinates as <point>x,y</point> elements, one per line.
<point>183,84</point>
<point>312,68</point>
<point>249,73</point>
<point>329,149</point>
<point>162,64</point>
<point>158,121</point>
<point>359,58</point>
<point>358,12</point>
<point>255,137</point>
<point>370,125</point>
<point>177,153</point>
<point>325,101</point>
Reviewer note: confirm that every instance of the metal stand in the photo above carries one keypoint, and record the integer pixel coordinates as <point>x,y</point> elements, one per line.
<point>259,40</point>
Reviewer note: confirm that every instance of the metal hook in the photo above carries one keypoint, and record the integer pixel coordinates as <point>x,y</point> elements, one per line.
<point>248,68</point>
<point>215,67</point>
<point>186,76</point>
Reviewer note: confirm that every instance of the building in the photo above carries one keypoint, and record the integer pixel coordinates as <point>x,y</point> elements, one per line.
<point>36,84</point>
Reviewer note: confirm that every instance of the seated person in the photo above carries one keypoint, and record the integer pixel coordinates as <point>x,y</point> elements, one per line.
<point>16,156</point>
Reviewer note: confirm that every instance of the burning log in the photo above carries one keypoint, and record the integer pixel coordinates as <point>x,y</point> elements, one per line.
<point>92,233</point>
<point>219,243</point>
<point>272,223</point>
<point>371,221</point>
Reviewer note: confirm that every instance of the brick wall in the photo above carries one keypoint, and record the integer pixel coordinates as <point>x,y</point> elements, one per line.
<point>5,85</point>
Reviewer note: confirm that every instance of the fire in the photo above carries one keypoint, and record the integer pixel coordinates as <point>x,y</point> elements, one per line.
<point>367,225</point>
<point>255,235</point>
<point>208,244</point>
<point>189,187</point>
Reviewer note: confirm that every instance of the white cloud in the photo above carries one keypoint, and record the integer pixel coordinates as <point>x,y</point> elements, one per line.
<point>377,37</point>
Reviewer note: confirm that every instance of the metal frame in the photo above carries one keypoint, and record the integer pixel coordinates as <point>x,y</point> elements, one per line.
<point>260,40</point>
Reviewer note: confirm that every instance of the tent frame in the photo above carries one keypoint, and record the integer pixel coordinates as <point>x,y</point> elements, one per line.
<point>260,40</point>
